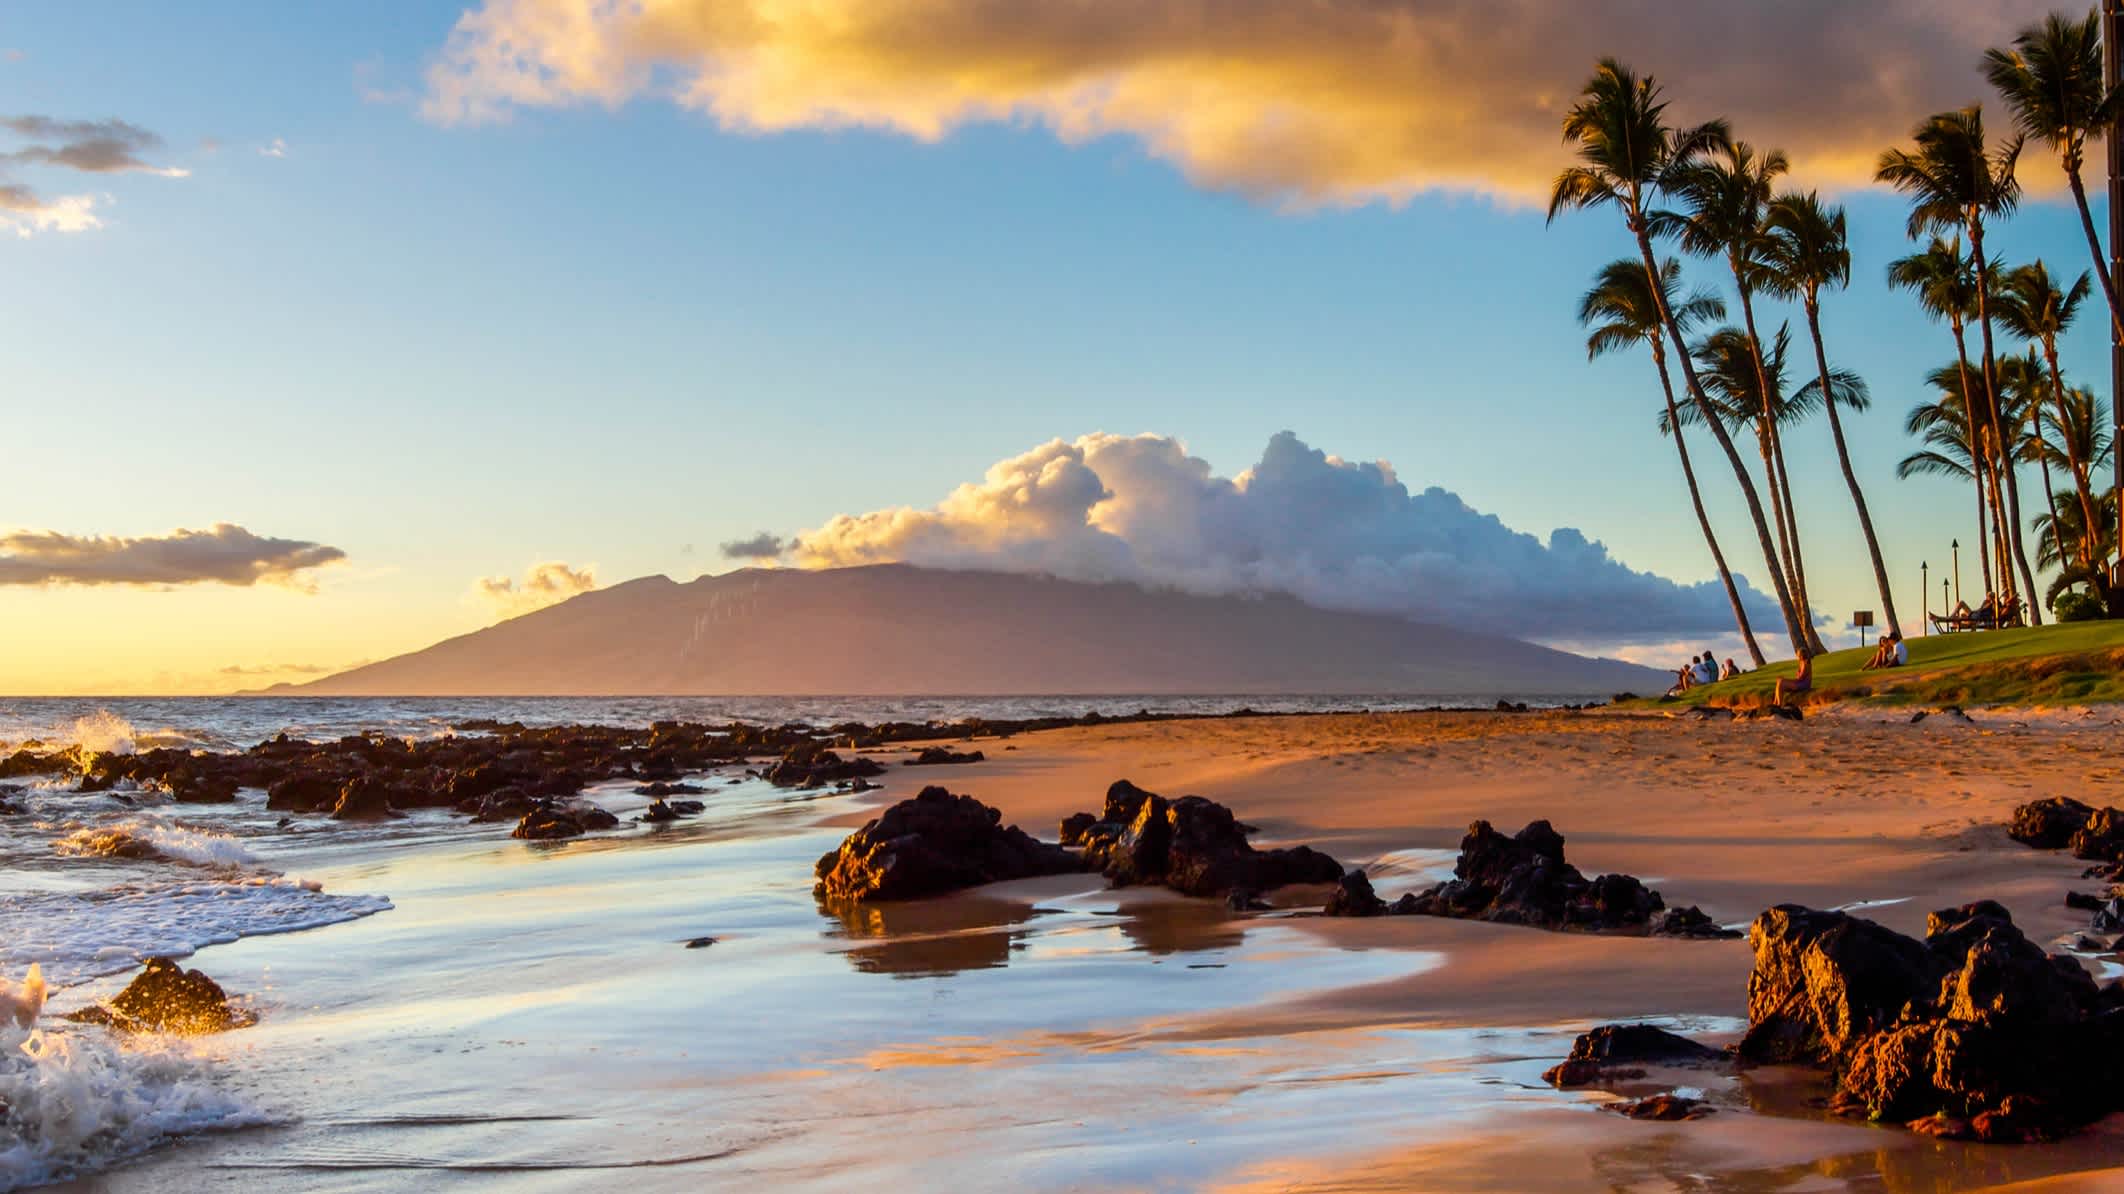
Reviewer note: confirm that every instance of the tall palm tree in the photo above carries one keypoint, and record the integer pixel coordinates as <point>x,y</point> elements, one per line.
<point>1625,151</point>
<point>1746,386</point>
<point>1621,311</point>
<point>1721,198</point>
<point>2053,80</point>
<point>2022,381</point>
<point>2033,308</point>
<point>1945,285</point>
<point>1956,180</point>
<point>1808,249</point>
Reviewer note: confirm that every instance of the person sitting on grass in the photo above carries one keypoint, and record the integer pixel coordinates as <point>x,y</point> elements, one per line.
<point>1729,671</point>
<point>1707,669</point>
<point>1802,682</point>
<point>1891,653</point>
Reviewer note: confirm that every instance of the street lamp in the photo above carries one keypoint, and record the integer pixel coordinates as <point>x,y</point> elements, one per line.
<point>1925,595</point>
<point>1957,546</point>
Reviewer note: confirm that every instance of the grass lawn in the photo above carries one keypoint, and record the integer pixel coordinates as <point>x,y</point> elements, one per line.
<point>2073,664</point>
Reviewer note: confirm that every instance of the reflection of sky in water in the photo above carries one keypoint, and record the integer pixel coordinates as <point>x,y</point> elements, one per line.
<point>531,1007</point>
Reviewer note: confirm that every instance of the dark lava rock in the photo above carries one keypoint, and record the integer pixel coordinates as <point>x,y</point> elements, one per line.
<point>1976,1032</point>
<point>1524,879</point>
<point>2101,839</point>
<point>505,804</point>
<point>165,997</point>
<point>303,793</point>
<point>941,756</point>
<point>660,788</point>
<point>1614,1050</point>
<point>700,943</point>
<point>814,767</point>
<point>659,811</point>
<point>1662,1107</point>
<point>2049,823</point>
<point>547,823</point>
<point>1192,845</point>
<point>590,817</point>
<point>2085,901</point>
<point>364,799</point>
<point>1074,825</point>
<point>934,843</point>
<point>1354,897</point>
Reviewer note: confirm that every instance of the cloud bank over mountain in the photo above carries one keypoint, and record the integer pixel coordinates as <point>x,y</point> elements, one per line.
<point>1324,102</point>
<point>543,584</point>
<point>1339,534</point>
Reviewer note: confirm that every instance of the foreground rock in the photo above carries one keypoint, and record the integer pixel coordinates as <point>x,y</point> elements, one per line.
<point>1192,845</point>
<point>809,767</point>
<point>1618,1051</point>
<point>165,997</point>
<point>943,756</point>
<point>1524,880</point>
<point>2055,822</point>
<point>934,843</point>
<point>550,820</point>
<point>1974,1032</point>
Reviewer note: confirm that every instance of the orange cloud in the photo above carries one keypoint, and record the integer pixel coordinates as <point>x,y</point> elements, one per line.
<point>544,584</point>
<point>1326,102</point>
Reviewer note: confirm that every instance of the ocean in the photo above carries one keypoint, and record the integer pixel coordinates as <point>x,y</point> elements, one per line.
<point>441,1005</point>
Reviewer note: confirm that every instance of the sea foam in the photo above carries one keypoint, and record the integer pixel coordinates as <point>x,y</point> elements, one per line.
<point>78,1101</point>
<point>139,838</point>
<point>79,935</point>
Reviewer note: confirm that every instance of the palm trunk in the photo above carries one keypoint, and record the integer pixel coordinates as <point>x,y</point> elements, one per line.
<point>2072,458</point>
<point>1799,567</point>
<point>2094,250</point>
<point>1843,458</point>
<point>1718,431</point>
<point>1696,498</point>
<point>1978,472</point>
<point>2050,493</point>
<point>1991,391</point>
<point>1780,492</point>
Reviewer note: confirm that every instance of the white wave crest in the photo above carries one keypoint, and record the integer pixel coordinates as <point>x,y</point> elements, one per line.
<point>77,1101</point>
<point>79,935</point>
<point>142,839</point>
<point>102,732</point>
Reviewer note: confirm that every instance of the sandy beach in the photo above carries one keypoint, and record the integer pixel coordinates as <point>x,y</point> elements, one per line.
<point>1055,1034</point>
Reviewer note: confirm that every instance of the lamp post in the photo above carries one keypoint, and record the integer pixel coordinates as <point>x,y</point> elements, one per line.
<point>1943,593</point>
<point>1956,546</point>
<point>1925,594</point>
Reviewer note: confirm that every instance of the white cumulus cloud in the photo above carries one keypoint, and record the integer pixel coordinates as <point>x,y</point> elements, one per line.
<point>1340,534</point>
<point>544,584</point>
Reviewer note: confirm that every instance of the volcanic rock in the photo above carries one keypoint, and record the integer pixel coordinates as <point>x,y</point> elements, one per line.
<point>165,997</point>
<point>934,843</point>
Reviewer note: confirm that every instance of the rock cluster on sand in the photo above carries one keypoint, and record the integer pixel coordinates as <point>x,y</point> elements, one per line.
<point>1524,880</point>
<point>165,997</point>
<point>934,843</point>
<point>943,756</point>
<point>809,767</point>
<point>1973,1033</point>
<point>548,820</point>
<point>1192,845</point>
<point>2095,834</point>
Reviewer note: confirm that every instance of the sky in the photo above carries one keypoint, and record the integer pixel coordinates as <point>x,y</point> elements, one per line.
<point>336,330</point>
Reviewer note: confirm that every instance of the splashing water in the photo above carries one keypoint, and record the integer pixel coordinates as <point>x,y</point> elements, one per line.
<point>143,839</point>
<point>102,732</point>
<point>20,1005</point>
<point>77,1101</point>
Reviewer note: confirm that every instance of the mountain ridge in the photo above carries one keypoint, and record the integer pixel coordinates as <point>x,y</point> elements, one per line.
<point>897,630</point>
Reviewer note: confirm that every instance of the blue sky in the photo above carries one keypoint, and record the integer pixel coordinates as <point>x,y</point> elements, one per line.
<point>601,335</point>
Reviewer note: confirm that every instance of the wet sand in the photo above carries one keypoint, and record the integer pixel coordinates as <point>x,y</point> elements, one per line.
<point>526,1017</point>
<point>1732,816</point>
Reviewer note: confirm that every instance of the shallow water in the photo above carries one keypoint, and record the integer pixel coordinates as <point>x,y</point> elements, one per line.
<point>470,1011</point>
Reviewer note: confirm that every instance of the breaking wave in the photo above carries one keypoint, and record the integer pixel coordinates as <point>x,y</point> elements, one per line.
<point>142,839</point>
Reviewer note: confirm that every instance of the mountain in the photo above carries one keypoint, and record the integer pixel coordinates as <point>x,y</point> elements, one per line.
<point>894,629</point>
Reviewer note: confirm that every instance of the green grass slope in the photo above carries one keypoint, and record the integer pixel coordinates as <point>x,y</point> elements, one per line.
<point>2075,664</point>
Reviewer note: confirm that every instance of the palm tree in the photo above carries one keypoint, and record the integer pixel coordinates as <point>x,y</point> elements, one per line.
<point>2054,82</point>
<point>2032,307</point>
<point>1722,197</point>
<point>1945,284</point>
<point>1955,180</point>
<point>1626,151</point>
<point>2024,385</point>
<point>1808,249</point>
<point>1746,386</point>
<point>1622,311</point>
<point>2062,540</point>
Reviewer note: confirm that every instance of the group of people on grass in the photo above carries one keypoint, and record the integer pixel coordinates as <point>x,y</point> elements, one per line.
<point>1704,669</point>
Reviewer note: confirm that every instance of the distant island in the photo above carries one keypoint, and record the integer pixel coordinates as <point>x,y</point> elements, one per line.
<point>895,629</point>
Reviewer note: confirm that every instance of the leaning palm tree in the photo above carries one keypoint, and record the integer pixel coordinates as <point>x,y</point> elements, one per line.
<point>1953,447</point>
<point>1746,385</point>
<point>1945,285</point>
<point>2053,80</point>
<point>1720,201</point>
<point>1807,249</point>
<point>2033,308</point>
<point>1626,150</point>
<point>1957,181</point>
<point>1622,311</point>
